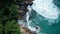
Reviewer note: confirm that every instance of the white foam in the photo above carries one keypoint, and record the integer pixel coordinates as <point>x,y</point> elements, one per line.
<point>31,28</point>
<point>46,8</point>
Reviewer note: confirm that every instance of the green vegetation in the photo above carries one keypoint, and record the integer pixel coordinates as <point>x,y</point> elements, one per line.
<point>8,17</point>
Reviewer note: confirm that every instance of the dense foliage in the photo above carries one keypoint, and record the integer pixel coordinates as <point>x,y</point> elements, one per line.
<point>8,17</point>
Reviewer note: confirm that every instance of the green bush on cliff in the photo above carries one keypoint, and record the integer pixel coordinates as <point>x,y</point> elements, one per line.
<point>8,17</point>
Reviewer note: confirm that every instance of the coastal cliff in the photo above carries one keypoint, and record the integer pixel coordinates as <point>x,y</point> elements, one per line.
<point>22,16</point>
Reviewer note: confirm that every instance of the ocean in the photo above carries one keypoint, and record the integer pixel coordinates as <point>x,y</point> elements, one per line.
<point>40,17</point>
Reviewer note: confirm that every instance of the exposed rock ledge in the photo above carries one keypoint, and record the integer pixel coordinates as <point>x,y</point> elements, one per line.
<point>24,29</point>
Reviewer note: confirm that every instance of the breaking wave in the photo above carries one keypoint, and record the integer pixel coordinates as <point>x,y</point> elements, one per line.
<point>45,8</point>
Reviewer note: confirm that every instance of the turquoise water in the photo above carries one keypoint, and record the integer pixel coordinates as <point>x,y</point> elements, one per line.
<point>38,20</point>
<point>47,26</point>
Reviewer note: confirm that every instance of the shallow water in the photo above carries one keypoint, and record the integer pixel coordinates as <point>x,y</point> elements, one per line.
<point>38,20</point>
<point>47,24</point>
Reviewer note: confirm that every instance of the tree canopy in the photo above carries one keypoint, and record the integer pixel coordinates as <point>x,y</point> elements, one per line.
<point>8,17</point>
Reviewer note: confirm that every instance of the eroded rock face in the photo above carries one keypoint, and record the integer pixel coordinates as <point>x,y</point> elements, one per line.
<point>28,2</point>
<point>25,30</point>
<point>23,8</point>
<point>22,15</point>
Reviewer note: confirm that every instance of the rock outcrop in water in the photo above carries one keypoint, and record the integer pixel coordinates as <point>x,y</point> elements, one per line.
<point>22,16</point>
<point>23,8</point>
